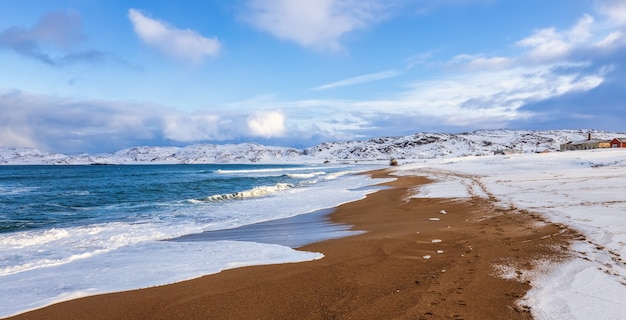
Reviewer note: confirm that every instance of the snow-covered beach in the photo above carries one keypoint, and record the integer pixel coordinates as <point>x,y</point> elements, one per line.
<point>584,190</point>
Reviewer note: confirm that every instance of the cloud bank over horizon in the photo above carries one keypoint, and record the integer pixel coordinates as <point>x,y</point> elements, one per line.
<point>88,126</point>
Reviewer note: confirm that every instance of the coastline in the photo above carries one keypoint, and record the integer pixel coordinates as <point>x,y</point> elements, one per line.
<point>407,265</point>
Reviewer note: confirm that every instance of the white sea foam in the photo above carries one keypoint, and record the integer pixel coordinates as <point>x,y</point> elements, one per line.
<point>252,193</point>
<point>26,239</point>
<point>127,269</point>
<point>23,251</point>
<point>335,175</point>
<point>305,175</point>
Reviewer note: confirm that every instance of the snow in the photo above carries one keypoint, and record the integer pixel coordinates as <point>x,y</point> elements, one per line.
<point>200,153</point>
<point>584,190</point>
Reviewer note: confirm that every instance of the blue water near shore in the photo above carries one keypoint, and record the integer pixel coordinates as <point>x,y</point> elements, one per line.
<point>71,231</point>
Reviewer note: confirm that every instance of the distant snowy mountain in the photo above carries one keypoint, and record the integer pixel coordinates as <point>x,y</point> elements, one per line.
<point>200,153</point>
<point>417,146</point>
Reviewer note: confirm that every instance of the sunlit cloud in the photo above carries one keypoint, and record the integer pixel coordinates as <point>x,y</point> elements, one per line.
<point>320,24</point>
<point>266,124</point>
<point>182,44</point>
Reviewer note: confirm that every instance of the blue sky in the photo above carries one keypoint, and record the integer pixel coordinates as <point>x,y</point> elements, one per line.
<point>96,76</point>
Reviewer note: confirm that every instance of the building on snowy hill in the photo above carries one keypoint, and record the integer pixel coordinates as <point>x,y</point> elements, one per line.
<point>618,143</point>
<point>586,144</point>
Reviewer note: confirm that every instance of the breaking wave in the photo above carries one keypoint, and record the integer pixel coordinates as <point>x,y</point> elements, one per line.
<point>305,175</point>
<point>252,193</point>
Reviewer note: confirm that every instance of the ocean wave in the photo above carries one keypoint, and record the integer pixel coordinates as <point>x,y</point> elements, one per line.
<point>338,174</point>
<point>46,263</point>
<point>77,193</point>
<point>27,239</point>
<point>24,251</point>
<point>305,175</point>
<point>252,193</point>
<point>8,190</point>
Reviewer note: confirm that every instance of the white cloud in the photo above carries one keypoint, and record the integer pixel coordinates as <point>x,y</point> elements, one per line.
<point>550,44</point>
<point>611,40</point>
<point>615,10</point>
<point>480,62</point>
<point>360,79</point>
<point>186,45</point>
<point>266,124</point>
<point>495,93</point>
<point>486,99</point>
<point>584,42</point>
<point>60,124</point>
<point>319,24</point>
<point>193,127</point>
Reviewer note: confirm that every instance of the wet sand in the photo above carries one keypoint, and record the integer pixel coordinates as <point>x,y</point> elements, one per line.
<point>412,263</point>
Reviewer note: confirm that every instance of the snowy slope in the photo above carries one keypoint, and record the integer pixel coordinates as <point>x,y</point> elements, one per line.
<point>413,147</point>
<point>438,145</point>
<point>241,153</point>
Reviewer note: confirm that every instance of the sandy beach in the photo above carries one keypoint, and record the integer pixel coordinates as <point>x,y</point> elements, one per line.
<point>414,262</point>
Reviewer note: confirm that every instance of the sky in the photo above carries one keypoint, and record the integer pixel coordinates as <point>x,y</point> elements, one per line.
<point>102,75</point>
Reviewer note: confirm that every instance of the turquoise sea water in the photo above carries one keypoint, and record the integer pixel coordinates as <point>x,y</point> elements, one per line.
<point>115,228</point>
<point>35,197</point>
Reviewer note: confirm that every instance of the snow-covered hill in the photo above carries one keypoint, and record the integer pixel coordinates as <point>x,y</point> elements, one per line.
<point>200,153</point>
<point>437,145</point>
<point>417,146</point>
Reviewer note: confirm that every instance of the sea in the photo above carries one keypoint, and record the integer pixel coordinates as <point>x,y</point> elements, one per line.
<point>72,231</point>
